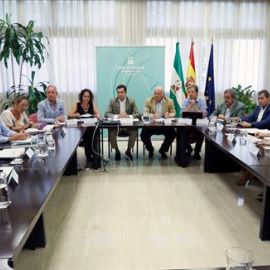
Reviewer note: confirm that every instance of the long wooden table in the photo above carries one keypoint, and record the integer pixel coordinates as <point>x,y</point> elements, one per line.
<point>223,156</point>
<point>22,224</point>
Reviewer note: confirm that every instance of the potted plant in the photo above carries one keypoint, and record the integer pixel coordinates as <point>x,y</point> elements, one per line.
<point>245,95</point>
<point>20,45</point>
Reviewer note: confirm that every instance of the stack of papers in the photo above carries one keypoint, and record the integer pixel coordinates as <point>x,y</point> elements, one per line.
<point>34,130</point>
<point>126,121</point>
<point>253,139</point>
<point>186,121</point>
<point>72,122</point>
<point>202,122</point>
<point>12,153</point>
<point>21,142</point>
<point>87,115</point>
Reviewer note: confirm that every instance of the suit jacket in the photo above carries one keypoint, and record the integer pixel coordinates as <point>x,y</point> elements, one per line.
<point>46,114</point>
<point>252,118</point>
<point>131,107</point>
<point>167,106</point>
<point>237,110</point>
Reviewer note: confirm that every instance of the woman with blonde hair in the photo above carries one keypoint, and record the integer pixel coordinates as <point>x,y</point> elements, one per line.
<point>15,117</point>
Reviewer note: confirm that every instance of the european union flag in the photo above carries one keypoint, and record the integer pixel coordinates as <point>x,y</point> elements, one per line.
<point>209,92</point>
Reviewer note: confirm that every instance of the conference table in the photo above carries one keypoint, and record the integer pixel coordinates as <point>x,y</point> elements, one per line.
<point>22,224</point>
<point>221,155</point>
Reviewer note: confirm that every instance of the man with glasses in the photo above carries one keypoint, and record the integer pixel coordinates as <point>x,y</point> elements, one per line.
<point>51,109</point>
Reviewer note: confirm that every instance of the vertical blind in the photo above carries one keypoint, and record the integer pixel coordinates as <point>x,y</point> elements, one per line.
<point>239,31</point>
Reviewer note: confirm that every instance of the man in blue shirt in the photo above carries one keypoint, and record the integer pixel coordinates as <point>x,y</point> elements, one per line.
<point>51,109</point>
<point>7,135</point>
<point>194,104</point>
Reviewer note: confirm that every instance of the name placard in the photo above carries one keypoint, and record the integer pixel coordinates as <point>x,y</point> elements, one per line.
<point>253,149</point>
<point>29,152</point>
<point>231,137</point>
<point>220,126</point>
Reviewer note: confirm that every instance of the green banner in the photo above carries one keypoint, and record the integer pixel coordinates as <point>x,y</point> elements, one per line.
<point>140,68</point>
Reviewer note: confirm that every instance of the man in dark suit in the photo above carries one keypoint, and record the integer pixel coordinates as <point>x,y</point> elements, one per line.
<point>260,118</point>
<point>123,107</point>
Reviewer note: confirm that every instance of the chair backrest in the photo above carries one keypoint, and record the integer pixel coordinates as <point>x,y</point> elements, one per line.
<point>33,117</point>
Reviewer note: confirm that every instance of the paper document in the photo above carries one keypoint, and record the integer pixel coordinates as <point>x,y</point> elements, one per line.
<point>12,153</point>
<point>87,115</point>
<point>202,122</point>
<point>253,139</point>
<point>115,117</point>
<point>34,130</point>
<point>254,130</point>
<point>22,142</point>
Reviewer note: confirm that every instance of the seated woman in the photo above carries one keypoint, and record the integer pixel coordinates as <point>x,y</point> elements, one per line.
<point>15,118</point>
<point>85,106</point>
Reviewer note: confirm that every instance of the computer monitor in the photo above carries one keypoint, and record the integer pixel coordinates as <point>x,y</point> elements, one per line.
<point>193,115</point>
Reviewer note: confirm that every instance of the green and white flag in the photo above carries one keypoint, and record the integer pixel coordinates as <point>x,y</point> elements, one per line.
<point>177,91</point>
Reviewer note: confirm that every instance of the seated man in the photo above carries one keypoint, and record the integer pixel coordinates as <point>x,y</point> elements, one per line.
<point>160,106</point>
<point>260,118</point>
<point>51,109</point>
<point>7,135</point>
<point>194,104</point>
<point>231,106</point>
<point>123,107</point>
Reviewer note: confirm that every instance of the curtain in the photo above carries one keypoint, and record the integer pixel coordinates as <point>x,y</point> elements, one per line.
<point>239,31</point>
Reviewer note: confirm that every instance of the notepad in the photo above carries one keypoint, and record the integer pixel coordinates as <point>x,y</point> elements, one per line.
<point>21,142</point>
<point>11,153</point>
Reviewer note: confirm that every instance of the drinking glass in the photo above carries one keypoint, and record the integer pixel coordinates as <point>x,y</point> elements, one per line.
<point>266,150</point>
<point>239,258</point>
<point>212,128</point>
<point>43,149</point>
<point>228,121</point>
<point>4,195</point>
<point>50,142</point>
<point>34,144</point>
<point>243,138</point>
<point>110,116</point>
<point>146,116</point>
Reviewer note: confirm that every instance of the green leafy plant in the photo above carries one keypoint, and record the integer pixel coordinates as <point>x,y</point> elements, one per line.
<point>245,95</point>
<point>21,44</point>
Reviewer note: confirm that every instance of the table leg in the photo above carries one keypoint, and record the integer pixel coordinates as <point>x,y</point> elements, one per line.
<point>181,143</point>
<point>217,161</point>
<point>265,218</point>
<point>37,238</point>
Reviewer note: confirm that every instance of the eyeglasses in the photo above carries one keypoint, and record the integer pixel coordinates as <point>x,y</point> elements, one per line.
<point>25,106</point>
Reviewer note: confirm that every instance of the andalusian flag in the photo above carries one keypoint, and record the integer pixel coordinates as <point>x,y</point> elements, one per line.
<point>210,84</point>
<point>191,73</point>
<point>177,91</point>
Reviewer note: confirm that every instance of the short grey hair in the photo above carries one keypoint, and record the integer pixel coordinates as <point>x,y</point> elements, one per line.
<point>52,86</point>
<point>231,91</point>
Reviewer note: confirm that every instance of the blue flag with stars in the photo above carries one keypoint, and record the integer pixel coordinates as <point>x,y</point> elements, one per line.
<point>209,92</point>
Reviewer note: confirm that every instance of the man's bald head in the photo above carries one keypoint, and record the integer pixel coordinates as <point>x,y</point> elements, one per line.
<point>158,93</point>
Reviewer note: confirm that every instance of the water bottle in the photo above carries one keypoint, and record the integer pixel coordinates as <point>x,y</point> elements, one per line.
<point>4,195</point>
